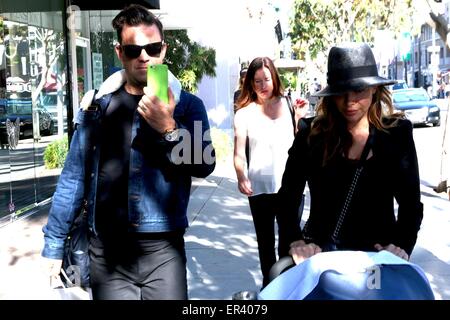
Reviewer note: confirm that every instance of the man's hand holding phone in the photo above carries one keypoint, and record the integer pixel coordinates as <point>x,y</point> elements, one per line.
<point>157,114</point>
<point>157,104</point>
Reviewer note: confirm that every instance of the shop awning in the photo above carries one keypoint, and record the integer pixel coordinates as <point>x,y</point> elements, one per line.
<point>11,6</point>
<point>113,4</point>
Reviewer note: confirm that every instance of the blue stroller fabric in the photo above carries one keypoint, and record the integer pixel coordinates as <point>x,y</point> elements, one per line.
<point>351,275</point>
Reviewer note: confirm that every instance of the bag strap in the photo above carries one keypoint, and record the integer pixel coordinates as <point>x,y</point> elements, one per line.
<point>353,185</point>
<point>88,161</point>
<point>93,107</point>
<point>291,110</point>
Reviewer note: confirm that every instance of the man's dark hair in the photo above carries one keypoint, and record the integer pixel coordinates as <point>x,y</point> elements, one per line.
<point>134,15</point>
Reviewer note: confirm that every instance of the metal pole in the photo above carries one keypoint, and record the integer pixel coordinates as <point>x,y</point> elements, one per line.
<point>405,63</point>
<point>434,64</point>
<point>395,67</point>
<point>419,73</point>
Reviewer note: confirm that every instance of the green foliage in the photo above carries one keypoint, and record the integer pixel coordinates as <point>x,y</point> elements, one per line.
<point>189,61</point>
<point>319,24</point>
<point>1,30</point>
<point>55,153</point>
<point>288,78</point>
<point>188,80</point>
<point>222,143</point>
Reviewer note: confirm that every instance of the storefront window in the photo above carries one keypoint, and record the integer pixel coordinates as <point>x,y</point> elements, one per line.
<point>33,103</point>
<point>39,95</point>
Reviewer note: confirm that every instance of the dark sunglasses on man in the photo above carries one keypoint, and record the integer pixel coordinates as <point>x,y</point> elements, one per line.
<point>133,51</point>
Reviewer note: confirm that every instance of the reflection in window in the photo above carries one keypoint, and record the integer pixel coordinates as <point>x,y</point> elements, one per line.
<point>32,67</point>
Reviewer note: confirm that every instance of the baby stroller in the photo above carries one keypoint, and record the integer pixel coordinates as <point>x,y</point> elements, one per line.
<point>348,275</point>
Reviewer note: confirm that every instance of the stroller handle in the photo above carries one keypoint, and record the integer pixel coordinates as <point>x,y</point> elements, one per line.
<point>280,266</point>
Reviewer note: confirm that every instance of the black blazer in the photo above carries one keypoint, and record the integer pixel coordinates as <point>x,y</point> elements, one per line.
<point>391,173</point>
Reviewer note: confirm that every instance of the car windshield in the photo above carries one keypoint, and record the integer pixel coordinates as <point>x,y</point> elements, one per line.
<point>50,100</point>
<point>410,96</point>
<point>400,85</point>
<point>18,107</point>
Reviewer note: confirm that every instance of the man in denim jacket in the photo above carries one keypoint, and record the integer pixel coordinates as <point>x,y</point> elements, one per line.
<point>141,154</point>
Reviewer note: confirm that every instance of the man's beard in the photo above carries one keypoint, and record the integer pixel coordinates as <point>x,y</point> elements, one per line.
<point>139,81</point>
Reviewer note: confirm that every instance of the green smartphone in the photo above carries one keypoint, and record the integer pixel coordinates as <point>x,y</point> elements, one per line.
<point>157,81</point>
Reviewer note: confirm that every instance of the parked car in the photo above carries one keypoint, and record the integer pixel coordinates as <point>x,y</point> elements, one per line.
<point>49,101</point>
<point>18,112</point>
<point>417,106</point>
<point>401,84</point>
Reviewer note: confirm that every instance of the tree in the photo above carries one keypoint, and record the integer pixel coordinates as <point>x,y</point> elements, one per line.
<point>318,24</point>
<point>436,18</point>
<point>288,78</point>
<point>52,43</point>
<point>440,22</point>
<point>189,61</point>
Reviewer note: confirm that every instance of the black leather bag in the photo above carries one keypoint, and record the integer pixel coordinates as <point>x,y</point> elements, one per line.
<point>76,250</point>
<point>76,253</point>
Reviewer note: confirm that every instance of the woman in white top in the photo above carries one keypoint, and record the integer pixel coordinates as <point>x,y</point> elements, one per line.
<point>264,122</point>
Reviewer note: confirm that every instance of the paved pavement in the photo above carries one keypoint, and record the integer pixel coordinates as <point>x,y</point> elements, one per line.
<point>220,244</point>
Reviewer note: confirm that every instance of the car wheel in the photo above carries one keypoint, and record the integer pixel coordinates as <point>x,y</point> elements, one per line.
<point>437,124</point>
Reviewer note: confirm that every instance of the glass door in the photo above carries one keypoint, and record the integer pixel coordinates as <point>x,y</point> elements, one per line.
<point>5,165</point>
<point>17,120</point>
<point>32,69</point>
<point>82,76</point>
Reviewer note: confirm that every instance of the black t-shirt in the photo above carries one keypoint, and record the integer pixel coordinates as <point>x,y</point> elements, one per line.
<point>115,145</point>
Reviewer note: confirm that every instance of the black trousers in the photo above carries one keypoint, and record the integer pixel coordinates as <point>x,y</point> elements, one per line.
<point>149,266</point>
<point>265,210</point>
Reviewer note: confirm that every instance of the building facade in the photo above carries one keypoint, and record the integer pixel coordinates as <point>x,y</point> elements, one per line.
<point>51,53</point>
<point>428,63</point>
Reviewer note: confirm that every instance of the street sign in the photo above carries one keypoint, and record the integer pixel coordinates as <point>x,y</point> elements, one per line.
<point>434,60</point>
<point>434,49</point>
<point>405,46</point>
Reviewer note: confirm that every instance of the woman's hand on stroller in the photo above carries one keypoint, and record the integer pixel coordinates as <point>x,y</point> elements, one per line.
<point>394,250</point>
<point>300,250</point>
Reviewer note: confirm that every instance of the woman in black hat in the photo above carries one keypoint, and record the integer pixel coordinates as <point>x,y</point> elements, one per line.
<point>357,156</point>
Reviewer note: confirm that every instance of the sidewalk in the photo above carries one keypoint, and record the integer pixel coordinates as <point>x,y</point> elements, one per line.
<point>220,245</point>
<point>20,262</point>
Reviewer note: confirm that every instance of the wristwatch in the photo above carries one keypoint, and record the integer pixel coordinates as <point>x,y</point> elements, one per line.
<point>171,135</point>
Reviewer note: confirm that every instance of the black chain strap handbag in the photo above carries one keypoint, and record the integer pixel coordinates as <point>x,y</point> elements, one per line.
<point>334,242</point>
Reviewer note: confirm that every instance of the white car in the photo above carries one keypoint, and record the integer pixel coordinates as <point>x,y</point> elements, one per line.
<point>49,101</point>
<point>401,84</point>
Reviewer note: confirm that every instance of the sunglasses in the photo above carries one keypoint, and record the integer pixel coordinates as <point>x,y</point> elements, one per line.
<point>133,51</point>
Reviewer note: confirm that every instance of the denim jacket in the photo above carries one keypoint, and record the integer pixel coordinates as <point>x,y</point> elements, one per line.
<point>160,172</point>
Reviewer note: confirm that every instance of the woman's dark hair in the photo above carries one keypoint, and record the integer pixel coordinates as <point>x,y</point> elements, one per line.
<point>331,128</point>
<point>134,15</point>
<point>248,94</point>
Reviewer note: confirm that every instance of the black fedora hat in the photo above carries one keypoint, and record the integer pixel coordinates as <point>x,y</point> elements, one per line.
<point>351,67</point>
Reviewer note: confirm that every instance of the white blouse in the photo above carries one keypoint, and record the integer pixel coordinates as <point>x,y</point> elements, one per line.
<point>269,142</point>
